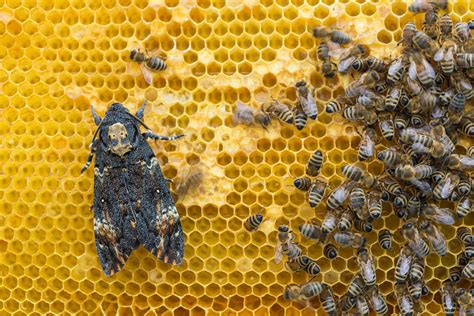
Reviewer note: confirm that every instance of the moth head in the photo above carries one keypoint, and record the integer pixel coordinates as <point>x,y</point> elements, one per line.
<point>119,139</point>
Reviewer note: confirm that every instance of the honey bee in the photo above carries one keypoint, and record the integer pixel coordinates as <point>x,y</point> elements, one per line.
<point>464,186</point>
<point>330,251</point>
<point>408,172</point>
<point>362,305</point>
<point>393,98</point>
<point>349,56</point>
<point>306,100</point>
<point>435,237</point>
<point>354,113</point>
<point>328,68</point>
<point>336,36</point>
<point>404,301</point>
<point>147,63</point>
<point>244,114</point>
<point>403,265</point>
<point>418,6</point>
<point>455,274</point>
<point>356,286</point>
<point>299,117</point>
<point>328,301</point>
<point>445,26</point>
<point>308,265</point>
<point>408,32</point>
<point>468,270</point>
<point>374,204</point>
<point>414,206</point>
<point>461,162</point>
<point>462,260</point>
<point>316,193</point>
<point>417,269</point>
<point>311,289</point>
<point>445,56</point>
<point>425,43</point>
<point>457,103</point>
<point>367,266</point>
<point>420,68</point>
<point>367,80</point>
<point>347,303</point>
<point>315,162</point>
<point>430,24</point>
<point>360,65</point>
<point>363,225</point>
<point>311,231</point>
<point>465,301</point>
<point>464,207</point>
<point>346,220</point>
<point>358,201</point>
<point>349,239</point>
<point>338,104</point>
<point>462,84</point>
<point>469,250</point>
<point>292,266</point>
<point>412,236</point>
<point>415,289</point>
<point>437,214</point>
<point>302,184</point>
<point>280,111</point>
<point>466,126</point>
<point>390,157</point>
<point>352,172</point>
<point>377,301</point>
<point>385,239</point>
<point>329,222</point>
<point>464,235</point>
<point>284,237</point>
<point>191,180</point>
<point>465,60</point>
<point>337,197</point>
<point>292,292</point>
<point>340,37</point>
<point>253,222</point>
<point>448,299</point>
<point>386,126</point>
<point>463,33</point>
<point>367,144</point>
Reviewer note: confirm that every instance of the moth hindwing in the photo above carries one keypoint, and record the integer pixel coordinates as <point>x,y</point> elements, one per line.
<point>132,201</point>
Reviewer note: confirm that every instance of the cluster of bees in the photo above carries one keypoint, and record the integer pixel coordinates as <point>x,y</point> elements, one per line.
<point>418,106</point>
<point>298,115</point>
<point>148,63</point>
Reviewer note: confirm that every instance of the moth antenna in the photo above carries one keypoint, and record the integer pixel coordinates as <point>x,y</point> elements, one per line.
<point>97,118</point>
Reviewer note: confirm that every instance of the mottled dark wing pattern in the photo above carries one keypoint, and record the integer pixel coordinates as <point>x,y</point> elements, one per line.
<point>162,234</point>
<point>114,229</point>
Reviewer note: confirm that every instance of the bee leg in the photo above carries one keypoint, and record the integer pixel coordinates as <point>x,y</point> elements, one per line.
<point>159,137</point>
<point>91,155</point>
<point>141,111</point>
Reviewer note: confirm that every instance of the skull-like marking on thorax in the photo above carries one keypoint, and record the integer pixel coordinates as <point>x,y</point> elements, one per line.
<point>119,141</point>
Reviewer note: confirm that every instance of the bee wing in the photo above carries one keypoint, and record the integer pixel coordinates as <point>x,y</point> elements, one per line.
<point>466,84</point>
<point>412,70</point>
<point>429,68</point>
<point>370,145</point>
<point>278,252</point>
<point>467,162</point>
<point>449,55</point>
<point>447,188</point>
<point>439,54</point>
<point>344,64</point>
<point>335,49</point>
<point>147,75</point>
<point>395,67</point>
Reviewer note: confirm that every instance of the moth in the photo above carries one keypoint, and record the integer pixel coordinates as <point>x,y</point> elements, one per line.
<point>132,202</point>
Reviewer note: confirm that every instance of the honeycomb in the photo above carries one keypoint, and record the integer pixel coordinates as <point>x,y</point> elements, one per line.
<point>58,57</point>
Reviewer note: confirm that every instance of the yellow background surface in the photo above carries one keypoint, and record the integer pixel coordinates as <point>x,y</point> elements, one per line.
<point>58,57</point>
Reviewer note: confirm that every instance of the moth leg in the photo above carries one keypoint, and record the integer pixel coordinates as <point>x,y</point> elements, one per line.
<point>159,137</point>
<point>91,155</point>
<point>141,111</point>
